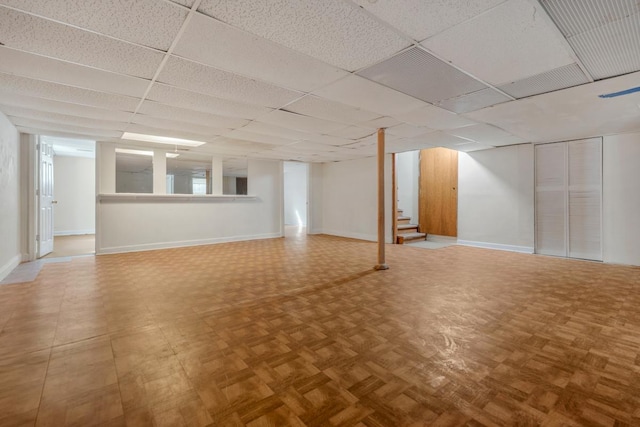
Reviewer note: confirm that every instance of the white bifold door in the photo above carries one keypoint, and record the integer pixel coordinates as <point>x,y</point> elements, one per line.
<point>569,199</point>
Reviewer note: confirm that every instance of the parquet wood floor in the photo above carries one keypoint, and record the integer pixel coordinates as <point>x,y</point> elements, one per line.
<point>301,331</point>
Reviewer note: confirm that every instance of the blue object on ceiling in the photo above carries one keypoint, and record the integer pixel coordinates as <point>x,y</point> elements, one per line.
<point>621,93</point>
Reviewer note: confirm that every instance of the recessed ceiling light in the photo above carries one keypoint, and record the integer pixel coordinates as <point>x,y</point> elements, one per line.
<point>143,152</point>
<point>161,139</point>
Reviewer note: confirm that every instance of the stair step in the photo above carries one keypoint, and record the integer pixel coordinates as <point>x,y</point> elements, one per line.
<point>406,237</point>
<point>407,228</point>
<point>403,219</point>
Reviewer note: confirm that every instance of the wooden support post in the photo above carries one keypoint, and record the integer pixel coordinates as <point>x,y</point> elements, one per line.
<point>381,261</point>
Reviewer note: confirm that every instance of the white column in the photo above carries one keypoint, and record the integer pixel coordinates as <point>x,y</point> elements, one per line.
<point>216,176</point>
<point>159,172</point>
<point>107,167</point>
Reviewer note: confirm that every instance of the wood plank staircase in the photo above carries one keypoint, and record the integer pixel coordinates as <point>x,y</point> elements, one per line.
<point>406,231</point>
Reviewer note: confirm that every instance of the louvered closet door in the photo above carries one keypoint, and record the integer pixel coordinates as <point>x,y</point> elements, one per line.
<point>569,199</point>
<point>551,205</point>
<point>585,199</point>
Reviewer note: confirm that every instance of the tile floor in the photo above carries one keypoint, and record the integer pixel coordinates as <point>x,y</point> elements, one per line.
<point>301,331</point>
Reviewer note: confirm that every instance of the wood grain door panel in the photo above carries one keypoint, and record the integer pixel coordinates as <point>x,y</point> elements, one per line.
<point>438,194</point>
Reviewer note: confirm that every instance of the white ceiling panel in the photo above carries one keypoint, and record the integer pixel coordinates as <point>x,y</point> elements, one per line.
<point>327,139</point>
<point>36,35</point>
<point>421,75</point>
<point>43,68</point>
<point>47,105</point>
<point>324,109</point>
<point>367,95</point>
<point>187,3</point>
<point>472,146</point>
<point>487,135</point>
<point>257,137</point>
<point>156,109</point>
<point>505,44</point>
<point>434,118</point>
<point>272,130</point>
<point>42,127</point>
<point>402,145</point>
<point>610,50</point>
<point>172,133</point>
<point>381,122</point>
<point>178,126</point>
<point>54,91</point>
<point>473,101</point>
<point>441,139</point>
<point>307,147</point>
<point>28,113</point>
<point>408,131</point>
<point>150,23</point>
<point>420,19</point>
<point>353,132</point>
<point>560,78</point>
<point>572,113</point>
<point>222,84</point>
<point>62,134</point>
<point>238,51</point>
<point>300,122</point>
<point>171,95</point>
<point>333,31</point>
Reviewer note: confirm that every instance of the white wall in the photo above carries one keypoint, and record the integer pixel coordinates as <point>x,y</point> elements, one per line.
<point>147,224</point>
<point>74,187</point>
<point>408,172</point>
<point>621,198</point>
<point>10,254</point>
<point>295,193</point>
<point>350,199</point>
<point>496,198</point>
<point>316,194</point>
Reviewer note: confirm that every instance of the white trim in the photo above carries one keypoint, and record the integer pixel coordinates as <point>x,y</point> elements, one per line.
<point>314,231</point>
<point>74,232</point>
<point>6,269</point>
<point>359,236</point>
<point>184,243</point>
<point>497,246</point>
<point>148,197</point>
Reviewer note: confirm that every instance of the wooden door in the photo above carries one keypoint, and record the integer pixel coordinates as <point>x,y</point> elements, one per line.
<point>438,194</point>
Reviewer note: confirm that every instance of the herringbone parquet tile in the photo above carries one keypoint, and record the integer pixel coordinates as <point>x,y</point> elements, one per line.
<point>301,331</point>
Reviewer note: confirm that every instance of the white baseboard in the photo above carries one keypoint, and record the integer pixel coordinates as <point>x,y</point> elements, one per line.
<point>183,243</point>
<point>9,266</point>
<point>498,246</point>
<point>73,232</point>
<point>315,231</point>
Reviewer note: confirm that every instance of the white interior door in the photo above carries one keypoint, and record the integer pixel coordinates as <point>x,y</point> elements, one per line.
<point>45,200</point>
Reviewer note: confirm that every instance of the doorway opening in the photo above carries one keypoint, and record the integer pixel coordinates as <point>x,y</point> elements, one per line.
<point>296,198</point>
<point>66,197</point>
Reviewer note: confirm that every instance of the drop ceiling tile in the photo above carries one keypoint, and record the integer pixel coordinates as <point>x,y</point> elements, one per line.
<point>174,96</point>
<point>47,105</point>
<point>273,130</point>
<point>149,23</point>
<point>334,31</point>
<point>237,51</point>
<point>442,139</point>
<point>610,50</point>
<point>47,128</point>
<point>222,84</point>
<point>560,78</point>
<point>300,122</point>
<point>324,109</point>
<point>256,137</point>
<point>163,111</point>
<point>434,118</point>
<point>473,101</point>
<point>403,145</point>
<point>40,36</point>
<point>503,45</point>
<point>573,18</point>
<point>54,91</point>
<point>28,113</point>
<point>367,95</point>
<point>186,3</point>
<point>472,146</point>
<point>178,126</point>
<point>327,139</point>
<point>381,122</point>
<point>421,75</point>
<point>43,68</point>
<point>65,134</point>
<point>353,132</point>
<point>408,131</point>
<point>172,133</point>
<point>486,134</point>
<point>308,146</point>
<point>423,18</point>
